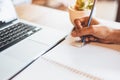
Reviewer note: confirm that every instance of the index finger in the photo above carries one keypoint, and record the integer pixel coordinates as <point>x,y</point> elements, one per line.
<point>78,24</point>
<point>84,21</point>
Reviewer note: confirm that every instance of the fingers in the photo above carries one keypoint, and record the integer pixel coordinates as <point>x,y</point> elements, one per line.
<point>84,21</point>
<point>91,39</point>
<point>88,38</point>
<point>81,29</point>
<point>83,32</point>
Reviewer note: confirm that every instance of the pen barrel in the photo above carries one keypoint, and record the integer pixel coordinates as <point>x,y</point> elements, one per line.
<point>83,38</point>
<point>89,21</point>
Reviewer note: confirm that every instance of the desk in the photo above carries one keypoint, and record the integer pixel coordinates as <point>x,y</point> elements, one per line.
<point>45,16</point>
<point>42,69</point>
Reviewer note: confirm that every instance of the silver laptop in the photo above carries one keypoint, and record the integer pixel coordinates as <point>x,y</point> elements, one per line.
<point>21,42</point>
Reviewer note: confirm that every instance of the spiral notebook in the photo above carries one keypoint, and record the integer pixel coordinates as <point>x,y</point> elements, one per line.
<point>94,61</point>
<point>47,69</point>
<point>69,62</point>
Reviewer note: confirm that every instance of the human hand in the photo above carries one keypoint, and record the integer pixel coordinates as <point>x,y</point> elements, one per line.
<point>96,31</point>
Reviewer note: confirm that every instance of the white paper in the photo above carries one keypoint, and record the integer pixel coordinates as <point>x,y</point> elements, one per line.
<point>99,60</point>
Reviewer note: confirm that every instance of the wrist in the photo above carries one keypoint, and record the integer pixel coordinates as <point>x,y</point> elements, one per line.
<point>115,35</point>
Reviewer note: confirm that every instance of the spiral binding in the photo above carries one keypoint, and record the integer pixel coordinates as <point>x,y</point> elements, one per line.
<point>81,73</point>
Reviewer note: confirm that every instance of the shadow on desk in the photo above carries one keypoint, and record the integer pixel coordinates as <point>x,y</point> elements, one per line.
<point>72,41</point>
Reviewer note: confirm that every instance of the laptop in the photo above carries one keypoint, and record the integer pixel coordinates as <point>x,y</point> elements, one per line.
<point>22,42</point>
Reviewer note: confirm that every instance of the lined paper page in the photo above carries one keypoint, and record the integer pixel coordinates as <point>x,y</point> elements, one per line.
<point>46,69</point>
<point>92,59</point>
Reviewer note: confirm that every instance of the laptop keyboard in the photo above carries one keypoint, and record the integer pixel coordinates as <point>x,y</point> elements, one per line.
<point>15,33</point>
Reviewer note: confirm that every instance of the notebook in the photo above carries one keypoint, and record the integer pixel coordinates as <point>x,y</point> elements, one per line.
<point>94,61</point>
<point>22,42</point>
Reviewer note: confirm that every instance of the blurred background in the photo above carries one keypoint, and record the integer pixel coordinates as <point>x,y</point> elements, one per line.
<point>105,9</point>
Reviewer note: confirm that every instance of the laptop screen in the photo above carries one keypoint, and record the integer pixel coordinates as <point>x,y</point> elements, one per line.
<point>7,12</point>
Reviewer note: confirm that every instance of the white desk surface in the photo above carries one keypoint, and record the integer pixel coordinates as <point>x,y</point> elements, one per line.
<point>43,69</point>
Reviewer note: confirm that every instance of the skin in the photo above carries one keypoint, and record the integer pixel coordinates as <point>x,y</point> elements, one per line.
<point>96,32</point>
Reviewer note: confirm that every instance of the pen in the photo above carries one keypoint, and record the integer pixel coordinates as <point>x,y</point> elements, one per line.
<point>89,21</point>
